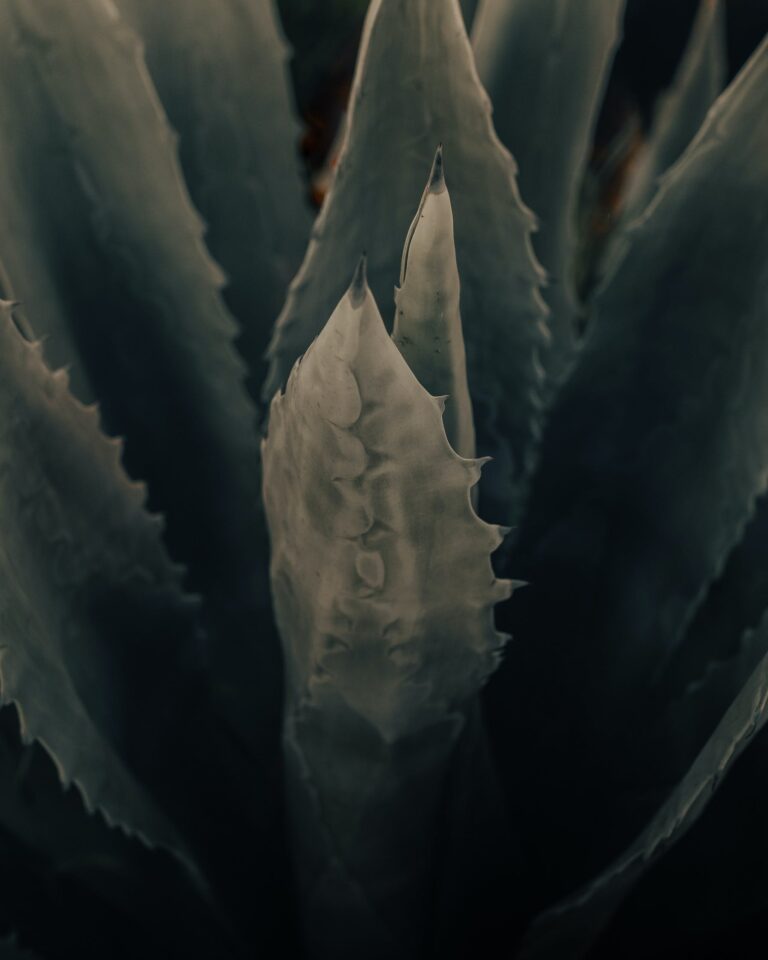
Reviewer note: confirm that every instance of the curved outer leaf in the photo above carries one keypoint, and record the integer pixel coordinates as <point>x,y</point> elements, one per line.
<point>545,64</point>
<point>101,243</point>
<point>427,328</point>
<point>655,452</point>
<point>682,109</point>
<point>733,605</point>
<point>69,880</point>
<point>569,929</point>
<point>80,561</point>
<point>221,69</point>
<point>416,86</point>
<point>370,519</point>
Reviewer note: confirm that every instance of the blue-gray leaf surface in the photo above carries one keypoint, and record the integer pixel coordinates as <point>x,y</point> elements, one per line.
<point>569,929</point>
<point>682,109</point>
<point>221,70</point>
<point>78,553</point>
<point>654,455</point>
<point>99,240</point>
<point>416,86</point>
<point>545,64</point>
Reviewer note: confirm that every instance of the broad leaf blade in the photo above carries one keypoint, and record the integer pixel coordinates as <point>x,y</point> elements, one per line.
<point>733,605</point>
<point>370,518</point>
<point>654,454</point>
<point>416,86</point>
<point>221,70</point>
<point>81,560</point>
<point>69,881</point>
<point>682,109</point>
<point>99,240</point>
<point>570,928</point>
<point>545,64</point>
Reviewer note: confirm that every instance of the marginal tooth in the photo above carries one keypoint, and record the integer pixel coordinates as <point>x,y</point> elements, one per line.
<point>502,590</point>
<point>475,467</point>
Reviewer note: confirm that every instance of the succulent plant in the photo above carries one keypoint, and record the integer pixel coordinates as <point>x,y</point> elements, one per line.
<point>267,693</point>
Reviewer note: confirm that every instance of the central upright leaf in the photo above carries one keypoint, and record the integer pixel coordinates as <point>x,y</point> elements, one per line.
<point>416,86</point>
<point>371,520</point>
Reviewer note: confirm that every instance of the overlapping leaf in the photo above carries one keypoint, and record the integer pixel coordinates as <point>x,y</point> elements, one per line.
<point>681,110</point>
<point>654,455</point>
<point>87,596</point>
<point>370,518</point>
<point>427,328</point>
<point>416,86</point>
<point>545,64</point>
<point>570,928</point>
<point>221,70</point>
<point>69,881</point>
<point>99,240</point>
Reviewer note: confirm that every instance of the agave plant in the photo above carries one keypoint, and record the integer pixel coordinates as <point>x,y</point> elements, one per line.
<point>255,640</point>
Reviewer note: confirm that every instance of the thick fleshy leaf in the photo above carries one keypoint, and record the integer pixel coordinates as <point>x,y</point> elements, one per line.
<point>221,70</point>
<point>682,109</point>
<point>545,64</point>
<point>99,240</point>
<point>415,86</point>
<point>427,328</point>
<point>69,881</point>
<point>654,454</point>
<point>568,930</point>
<point>81,560</point>
<point>733,605</point>
<point>102,652</point>
<point>370,518</point>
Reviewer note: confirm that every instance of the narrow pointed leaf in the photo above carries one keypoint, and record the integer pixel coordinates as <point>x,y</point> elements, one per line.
<point>733,605</point>
<point>682,109</point>
<point>69,880</point>
<point>655,452</point>
<point>545,64</point>
<point>416,85</point>
<point>221,70</point>
<point>100,242</point>
<point>370,518</point>
<point>427,328</point>
<point>80,561</point>
<point>568,930</point>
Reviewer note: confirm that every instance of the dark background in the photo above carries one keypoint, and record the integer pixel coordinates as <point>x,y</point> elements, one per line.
<point>325,35</point>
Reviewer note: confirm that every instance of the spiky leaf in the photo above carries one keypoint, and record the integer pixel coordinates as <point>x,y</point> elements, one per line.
<point>427,328</point>
<point>82,566</point>
<point>654,455</point>
<point>545,64</point>
<point>99,240</point>
<point>221,69</point>
<point>681,110</point>
<point>416,86</point>
<point>370,518</point>
<point>568,930</point>
<point>69,881</point>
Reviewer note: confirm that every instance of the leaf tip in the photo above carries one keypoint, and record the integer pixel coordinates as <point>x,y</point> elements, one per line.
<point>436,182</point>
<point>358,288</point>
